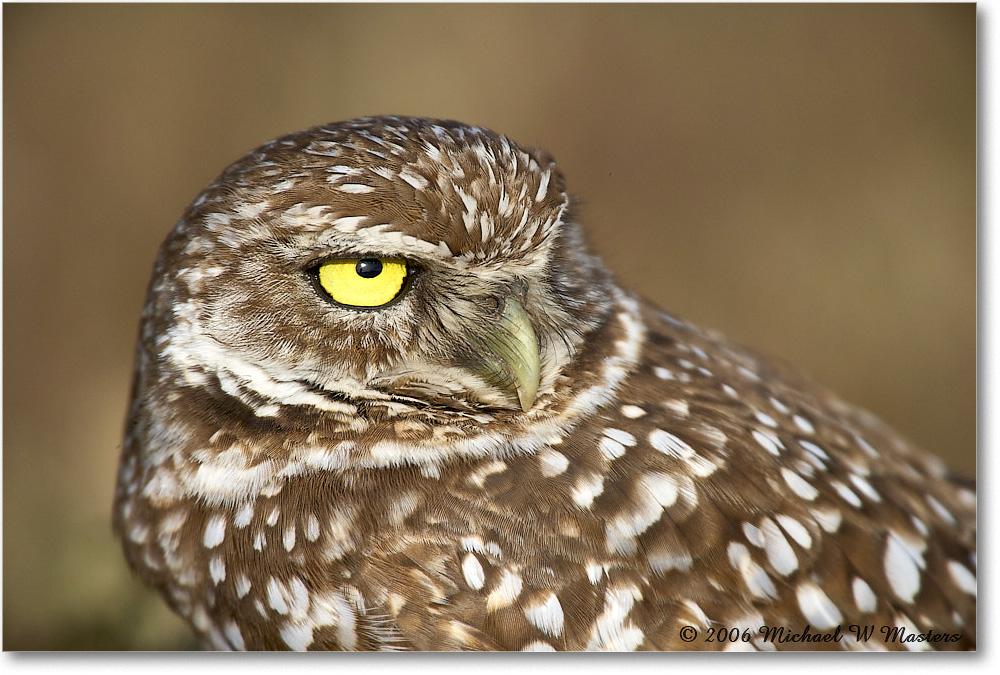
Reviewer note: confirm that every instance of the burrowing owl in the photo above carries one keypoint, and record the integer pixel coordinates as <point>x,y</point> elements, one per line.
<point>386,399</point>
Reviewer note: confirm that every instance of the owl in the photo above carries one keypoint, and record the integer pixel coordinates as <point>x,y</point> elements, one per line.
<point>386,399</point>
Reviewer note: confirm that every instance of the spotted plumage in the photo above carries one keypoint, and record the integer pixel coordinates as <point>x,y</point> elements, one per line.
<point>498,447</point>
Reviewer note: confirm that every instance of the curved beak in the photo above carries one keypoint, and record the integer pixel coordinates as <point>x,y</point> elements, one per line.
<point>507,354</point>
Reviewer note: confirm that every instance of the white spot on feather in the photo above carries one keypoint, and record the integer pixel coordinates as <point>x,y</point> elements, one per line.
<point>276,596</point>
<point>661,486</point>
<point>138,532</point>
<point>653,493</point>
<point>817,608</point>
<point>612,630</point>
<point>402,507</point>
<point>552,462</point>
<point>767,441</point>
<point>217,569</point>
<point>962,577</point>
<point>539,646</point>
<point>506,592</point>
<point>243,516</point>
<point>828,519</point>
<point>543,186</point>
<point>234,635</point>
<point>866,446</point>
<point>298,599</point>
<point>242,585</point>
<point>939,509</point>
<point>902,563</point>
<point>472,570</point>
<point>632,411</point>
<point>799,485</point>
<point>611,449</point>
<point>866,488</point>
<point>765,419</point>
<point>864,597</point>
<point>587,489</point>
<point>814,450</point>
<point>677,407</point>
<point>312,527</point>
<point>215,531</point>
<point>298,636</point>
<point>753,535</point>
<point>333,609</point>
<point>355,188</point>
<point>758,582</point>
<point>804,424</point>
<point>417,181</point>
<point>669,444</point>
<point>348,224</point>
<point>546,615</point>
<point>623,437</point>
<point>779,551</point>
<point>846,494</point>
<point>662,560</point>
<point>481,473</point>
<point>795,530</point>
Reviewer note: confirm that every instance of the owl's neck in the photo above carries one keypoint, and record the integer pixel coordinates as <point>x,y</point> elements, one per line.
<point>219,465</point>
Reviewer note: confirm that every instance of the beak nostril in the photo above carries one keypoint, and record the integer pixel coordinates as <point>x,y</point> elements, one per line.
<point>493,306</point>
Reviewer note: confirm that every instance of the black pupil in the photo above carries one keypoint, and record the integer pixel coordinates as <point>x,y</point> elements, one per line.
<point>369,268</point>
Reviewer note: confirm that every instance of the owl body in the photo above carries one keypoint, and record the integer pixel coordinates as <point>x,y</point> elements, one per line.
<point>497,448</point>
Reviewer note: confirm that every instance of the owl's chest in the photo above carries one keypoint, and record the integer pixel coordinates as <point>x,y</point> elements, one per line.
<point>370,561</point>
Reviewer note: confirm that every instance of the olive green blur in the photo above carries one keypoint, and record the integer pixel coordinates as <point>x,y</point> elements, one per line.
<point>799,177</point>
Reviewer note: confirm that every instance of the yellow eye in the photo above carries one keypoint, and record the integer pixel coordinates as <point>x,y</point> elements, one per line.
<point>363,282</point>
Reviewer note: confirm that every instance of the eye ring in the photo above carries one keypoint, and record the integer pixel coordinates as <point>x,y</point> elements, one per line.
<point>366,283</point>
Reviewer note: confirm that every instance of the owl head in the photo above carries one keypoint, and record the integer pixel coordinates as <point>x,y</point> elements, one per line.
<point>377,265</point>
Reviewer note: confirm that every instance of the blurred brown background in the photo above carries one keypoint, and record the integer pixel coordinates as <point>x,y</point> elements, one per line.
<point>802,178</point>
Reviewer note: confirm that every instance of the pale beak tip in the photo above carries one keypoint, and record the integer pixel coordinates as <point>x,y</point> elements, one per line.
<point>526,398</point>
